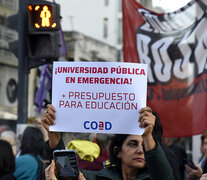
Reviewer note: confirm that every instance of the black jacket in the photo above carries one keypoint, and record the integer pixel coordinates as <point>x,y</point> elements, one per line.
<point>158,167</point>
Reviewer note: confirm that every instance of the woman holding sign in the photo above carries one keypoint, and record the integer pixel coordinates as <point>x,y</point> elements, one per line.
<point>132,157</point>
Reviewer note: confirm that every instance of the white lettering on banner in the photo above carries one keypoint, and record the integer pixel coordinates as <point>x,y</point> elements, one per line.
<point>171,21</point>
<point>171,54</point>
<point>201,49</point>
<point>143,50</point>
<point>182,67</point>
<point>163,64</point>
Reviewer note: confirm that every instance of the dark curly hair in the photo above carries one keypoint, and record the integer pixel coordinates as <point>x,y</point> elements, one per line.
<point>115,148</point>
<point>32,141</point>
<point>158,129</point>
<point>7,159</point>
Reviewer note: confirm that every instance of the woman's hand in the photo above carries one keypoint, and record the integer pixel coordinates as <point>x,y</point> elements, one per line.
<point>50,171</point>
<point>194,174</point>
<point>147,121</point>
<point>81,177</point>
<point>48,120</point>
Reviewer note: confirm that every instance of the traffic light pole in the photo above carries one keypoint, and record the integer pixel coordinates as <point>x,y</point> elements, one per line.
<point>22,68</point>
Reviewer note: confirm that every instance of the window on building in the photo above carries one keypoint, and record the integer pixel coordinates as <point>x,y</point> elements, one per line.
<point>101,60</point>
<point>120,34</point>
<point>105,27</point>
<point>1,32</point>
<point>2,20</point>
<point>106,2</point>
<point>13,4</point>
<point>84,60</point>
<point>7,34</point>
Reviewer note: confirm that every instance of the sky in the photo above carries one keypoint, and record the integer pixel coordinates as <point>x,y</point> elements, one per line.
<point>170,5</point>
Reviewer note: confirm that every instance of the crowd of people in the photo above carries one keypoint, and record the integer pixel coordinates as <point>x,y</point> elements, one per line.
<point>99,156</point>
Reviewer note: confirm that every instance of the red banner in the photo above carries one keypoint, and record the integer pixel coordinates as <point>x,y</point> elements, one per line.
<point>174,45</point>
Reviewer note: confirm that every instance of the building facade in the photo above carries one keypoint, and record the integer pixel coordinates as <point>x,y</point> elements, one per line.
<point>101,20</point>
<point>8,64</point>
<point>84,48</point>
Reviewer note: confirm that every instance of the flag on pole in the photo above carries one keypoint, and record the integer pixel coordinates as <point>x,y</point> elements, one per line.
<point>44,85</point>
<point>174,45</point>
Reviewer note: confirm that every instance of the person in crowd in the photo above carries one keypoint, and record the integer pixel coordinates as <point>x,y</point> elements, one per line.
<point>179,152</point>
<point>202,165</point>
<point>132,156</point>
<point>89,158</point>
<point>157,134</point>
<point>104,141</point>
<point>32,149</point>
<point>203,161</point>
<point>10,136</point>
<point>7,161</point>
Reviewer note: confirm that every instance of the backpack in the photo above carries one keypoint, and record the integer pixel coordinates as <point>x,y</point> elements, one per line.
<point>42,165</point>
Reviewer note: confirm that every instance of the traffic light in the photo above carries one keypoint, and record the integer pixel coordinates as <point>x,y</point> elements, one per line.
<point>43,30</point>
<point>44,17</point>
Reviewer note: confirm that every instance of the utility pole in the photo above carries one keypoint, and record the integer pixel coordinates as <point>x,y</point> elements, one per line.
<point>38,44</point>
<point>22,68</point>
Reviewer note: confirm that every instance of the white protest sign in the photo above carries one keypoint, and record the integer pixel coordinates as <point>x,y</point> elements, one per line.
<point>98,97</point>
